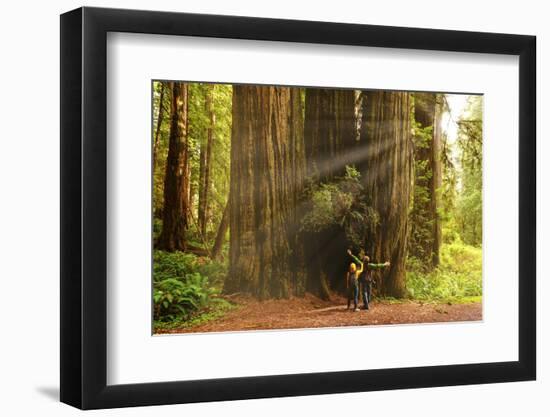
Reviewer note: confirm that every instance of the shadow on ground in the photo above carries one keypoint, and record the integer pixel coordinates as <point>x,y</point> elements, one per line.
<point>50,392</point>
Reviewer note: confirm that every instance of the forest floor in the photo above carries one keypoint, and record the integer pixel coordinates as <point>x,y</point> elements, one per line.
<point>311,312</point>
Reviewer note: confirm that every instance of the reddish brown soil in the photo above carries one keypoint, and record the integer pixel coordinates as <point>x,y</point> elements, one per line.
<point>311,312</point>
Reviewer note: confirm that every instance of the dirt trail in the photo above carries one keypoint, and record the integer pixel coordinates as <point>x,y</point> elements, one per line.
<point>311,312</point>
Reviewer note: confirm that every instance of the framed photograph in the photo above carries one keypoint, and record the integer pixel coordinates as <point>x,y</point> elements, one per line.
<point>257,208</point>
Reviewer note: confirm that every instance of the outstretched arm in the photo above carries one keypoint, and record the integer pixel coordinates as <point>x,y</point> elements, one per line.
<point>355,258</point>
<point>379,266</point>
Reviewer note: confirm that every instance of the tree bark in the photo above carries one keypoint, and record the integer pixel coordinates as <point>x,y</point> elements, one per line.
<point>201,186</point>
<point>329,132</point>
<point>176,183</point>
<point>437,181</point>
<point>427,112</point>
<point>160,119</point>
<point>206,161</point>
<point>296,186</point>
<point>330,135</point>
<point>262,193</point>
<point>387,176</point>
<point>222,231</point>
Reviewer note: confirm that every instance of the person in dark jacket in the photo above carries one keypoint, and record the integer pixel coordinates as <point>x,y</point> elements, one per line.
<point>365,276</point>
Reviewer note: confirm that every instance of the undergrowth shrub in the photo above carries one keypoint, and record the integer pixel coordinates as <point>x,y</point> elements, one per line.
<point>184,285</point>
<point>459,274</point>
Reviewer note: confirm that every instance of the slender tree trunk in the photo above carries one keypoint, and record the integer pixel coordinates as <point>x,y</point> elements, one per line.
<point>296,186</point>
<point>222,231</point>
<point>202,187</point>
<point>426,229</point>
<point>209,142</point>
<point>262,192</point>
<point>160,119</point>
<point>191,186</point>
<point>330,142</point>
<point>437,182</point>
<point>188,189</point>
<point>205,161</point>
<point>387,175</point>
<point>176,183</point>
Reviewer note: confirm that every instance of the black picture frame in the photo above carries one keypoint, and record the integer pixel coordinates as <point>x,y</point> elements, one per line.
<point>84,207</point>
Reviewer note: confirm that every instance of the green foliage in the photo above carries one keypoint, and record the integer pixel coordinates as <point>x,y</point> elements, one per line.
<point>199,123</point>
<point>214,270</point>
<point>173,265</point>
<point>217,309</point>
<point>448,190</point>
<point>458,276</point>
<point>421,235</point>
<point>157,228</point>
<point>341,203</point>
<point>173,297</point>
<point>184,285</point>
<point>469,201</point>
<point>322,215</point>
<point>449,231</point>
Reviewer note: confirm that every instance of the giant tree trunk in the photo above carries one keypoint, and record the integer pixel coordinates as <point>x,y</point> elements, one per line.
<point>297,183</point>
<point>262,193</point>
<point>330,144</point>
<point>206,162</point>
<point>425,225</point>
<point>176,182</point>
<point>329,132</point>
<point>387,175</point>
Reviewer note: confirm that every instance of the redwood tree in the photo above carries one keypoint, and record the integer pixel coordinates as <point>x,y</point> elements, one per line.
<point>387,175</point>
<point>329,132</point>
<point>176,183</point>
<point>265,153</point>
<point>160,119</point>
<point>330,144</point>
<point>220,235</point>
<point>425,223</point>
<point>296,183</point>
<point>206,161</point>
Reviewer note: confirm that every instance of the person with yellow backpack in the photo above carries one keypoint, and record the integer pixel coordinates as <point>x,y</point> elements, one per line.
<point>352,284</point>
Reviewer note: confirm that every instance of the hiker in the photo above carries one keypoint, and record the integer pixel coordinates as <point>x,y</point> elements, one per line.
<point>365,276</point>
<point>352,285</point>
